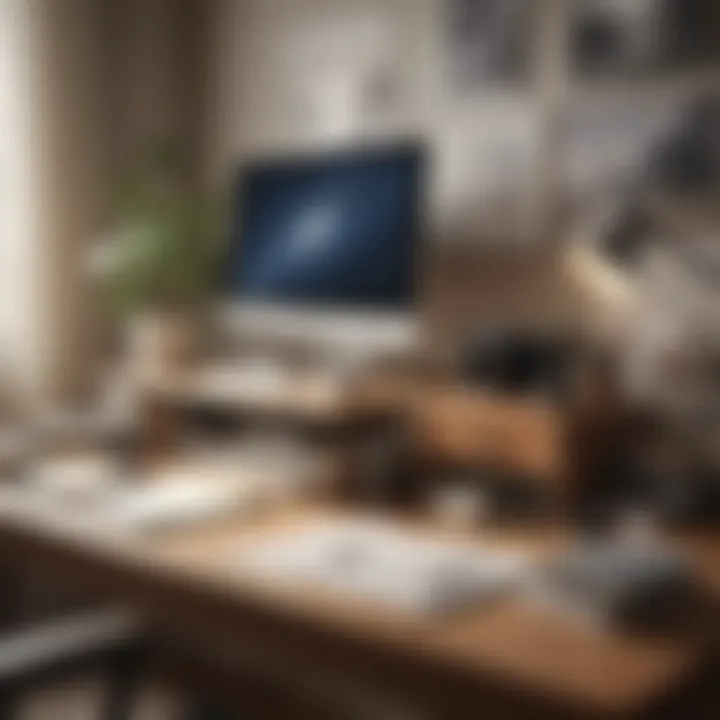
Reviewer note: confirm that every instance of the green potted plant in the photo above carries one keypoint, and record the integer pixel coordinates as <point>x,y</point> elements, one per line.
<point>160,262</point>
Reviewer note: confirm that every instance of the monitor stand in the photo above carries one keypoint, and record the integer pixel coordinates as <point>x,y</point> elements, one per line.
<point>271,357</point>
<point>270,361</point>
<point>278,379</point>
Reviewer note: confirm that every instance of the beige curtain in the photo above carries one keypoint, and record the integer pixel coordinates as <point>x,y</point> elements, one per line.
<point>83,83</point>
<point>23,349</point>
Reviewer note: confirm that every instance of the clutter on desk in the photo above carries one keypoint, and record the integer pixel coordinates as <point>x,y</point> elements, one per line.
<point>79,480</point>
<point>200,484</point>
<point>473,497</point>
<point>383,563</point>
<point>460,505</point>
<point>632,583</point>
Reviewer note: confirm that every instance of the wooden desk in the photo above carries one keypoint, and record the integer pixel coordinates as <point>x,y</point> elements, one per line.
<point>508,660</point>
<point>520,437</point>
<point>452,424</point>
<point>305,395</point>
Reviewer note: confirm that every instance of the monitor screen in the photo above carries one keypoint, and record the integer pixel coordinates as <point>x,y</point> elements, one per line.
<point>333,231</point>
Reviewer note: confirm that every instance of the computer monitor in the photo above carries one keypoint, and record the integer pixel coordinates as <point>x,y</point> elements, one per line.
<point>325,249</point>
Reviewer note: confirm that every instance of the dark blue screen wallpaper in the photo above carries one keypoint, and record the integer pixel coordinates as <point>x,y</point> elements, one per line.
<point>340,231</point>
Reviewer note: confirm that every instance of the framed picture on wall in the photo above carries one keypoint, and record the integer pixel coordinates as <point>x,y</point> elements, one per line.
<point>612,144</point>
<point>488,43</point>
<point>486,159</point>
<point>643,37</point>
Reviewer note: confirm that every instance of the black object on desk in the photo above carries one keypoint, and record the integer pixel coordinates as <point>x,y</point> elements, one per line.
<point>614,582</point>
<point>516,361</point>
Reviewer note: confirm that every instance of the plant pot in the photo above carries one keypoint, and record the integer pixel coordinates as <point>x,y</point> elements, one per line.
<point>160,343</point>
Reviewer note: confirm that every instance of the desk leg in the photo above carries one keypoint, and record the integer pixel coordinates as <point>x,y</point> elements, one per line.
<point>126,673</point>
<point>201,709</point>
<point>10,612</point>
<point>11,601</point>
<point>9,703</point>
